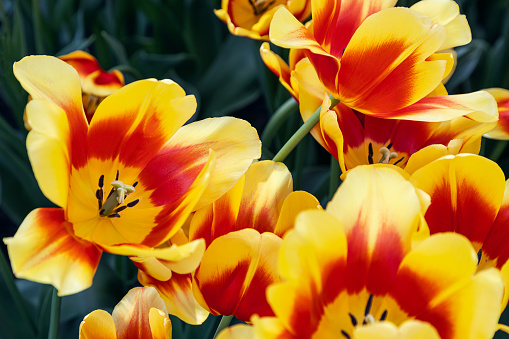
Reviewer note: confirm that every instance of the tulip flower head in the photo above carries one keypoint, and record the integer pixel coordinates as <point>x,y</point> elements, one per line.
<point>251,18</point>
<point>141,314</point>
<point>354,138</point>
<point>374,58</point>
<point>125,183</point>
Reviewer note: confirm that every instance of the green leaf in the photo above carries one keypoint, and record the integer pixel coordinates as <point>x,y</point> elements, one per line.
<point>231,82</point>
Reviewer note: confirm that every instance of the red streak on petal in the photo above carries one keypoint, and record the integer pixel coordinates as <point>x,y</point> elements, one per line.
<point>111,138</point>
<point>84,66</point>
<point>358,259</point>
<point>413,292</point>
<point>204,229</point>
<point>387,256</point>
<point>473,216</point>
<point>351,125</point>
<point>225,219</point>
<point>58,240</point>
<point>307,312</point>
<point>442,319</point>
<point>170,173</point>
<point>440,215</point>
<point>254,300</point>
<point>496,244</point>
<point>105,78</point>
<point>223,292</point>
<point>333,280</point>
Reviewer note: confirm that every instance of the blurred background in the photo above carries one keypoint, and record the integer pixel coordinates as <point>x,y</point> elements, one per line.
<point>184,41</point>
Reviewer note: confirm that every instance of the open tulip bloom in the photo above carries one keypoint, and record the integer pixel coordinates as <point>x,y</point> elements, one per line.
<point>127,182</point>
<point>377,120</point>
<point>377,60</point>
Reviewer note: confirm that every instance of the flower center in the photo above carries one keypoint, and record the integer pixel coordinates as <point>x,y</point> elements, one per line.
<point>368,317</point>
<point>112,206</point>
<point>386,153</point>
<point>260,6</point>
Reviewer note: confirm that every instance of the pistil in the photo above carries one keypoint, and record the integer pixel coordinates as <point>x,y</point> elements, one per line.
<point>116,198</point>
<point>387,155</point>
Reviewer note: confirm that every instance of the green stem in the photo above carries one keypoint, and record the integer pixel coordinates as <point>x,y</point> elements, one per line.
<point>335,173</point>
<point>278,119</point>
<point>498,150</point>
<point>301,133</point>
<point>14,292</point>
<point>225,321</point>
<point>55,315</point>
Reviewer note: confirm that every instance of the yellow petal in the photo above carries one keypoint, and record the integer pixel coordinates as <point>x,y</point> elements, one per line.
<point>412,329</point>
<point>178,296</point>
<point>44,251</point>
<point>294,203</point>
<point>50,79</point>
<point>235,143</point>
<point>98,325</point>
<point>48,149</point>
<point>446,13</point>
<point>180,259</point>
<point>160,324</point>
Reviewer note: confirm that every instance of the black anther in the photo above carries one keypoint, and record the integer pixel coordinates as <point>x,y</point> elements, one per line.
<point>133,203</point>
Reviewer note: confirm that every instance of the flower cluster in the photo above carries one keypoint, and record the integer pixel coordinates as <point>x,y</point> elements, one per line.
<point>413,244</point>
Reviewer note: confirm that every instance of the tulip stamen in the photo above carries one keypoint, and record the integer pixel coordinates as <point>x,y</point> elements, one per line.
<point>260,6</point>
<point>370,153</point>
<point>119,192</point>
<point>353,319</point>
<point>345,334</point>
<point>400,160</point>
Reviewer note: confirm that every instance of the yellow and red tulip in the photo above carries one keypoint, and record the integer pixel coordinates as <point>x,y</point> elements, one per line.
<point>141,314</point>
<point>251,18</point>
<point>364,58</point>
<point>356,139</point>
<point>243,231</point>
<point>159,170</point>
<point>357,271</point>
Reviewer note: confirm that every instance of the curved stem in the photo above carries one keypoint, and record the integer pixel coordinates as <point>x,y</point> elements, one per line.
<point>15,294</point>
<point>301,132</point>
<point>55,315</point>
<point>225,321</point>
<point>278,119</point>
